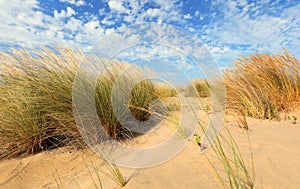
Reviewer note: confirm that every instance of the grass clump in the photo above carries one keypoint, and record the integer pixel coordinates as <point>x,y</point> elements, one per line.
<point>199,87</point>
<point>202,87</point>
<point>262,85</point>
<point>36,100</point>
<point>163,90</point>
<point>115,173</point>
<point>237,172</point>
<point>140,98</point>
<point>171,107</point>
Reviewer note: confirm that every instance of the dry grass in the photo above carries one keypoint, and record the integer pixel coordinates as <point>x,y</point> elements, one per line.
<point>263,85</point>
<point>35,97</point>
<point>36,100</point>
<point>198,87</point>
<point>202,87</point>
<point>164,90</point>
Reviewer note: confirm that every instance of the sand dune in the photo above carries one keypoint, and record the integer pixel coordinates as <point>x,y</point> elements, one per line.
<point>276,149</point>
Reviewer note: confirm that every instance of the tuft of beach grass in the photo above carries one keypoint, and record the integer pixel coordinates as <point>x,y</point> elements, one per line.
<point>263,85</point>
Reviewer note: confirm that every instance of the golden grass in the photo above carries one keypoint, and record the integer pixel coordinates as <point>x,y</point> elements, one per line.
<point>202,87</point>
<point>263,85</point>
<point>35,98</point>
<point>163,90</point>
<point>198,87</point>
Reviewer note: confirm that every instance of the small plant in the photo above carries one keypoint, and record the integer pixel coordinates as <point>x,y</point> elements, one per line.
<point>295,118</point>
<point>241,120</point>
<point>229,155</point>
<point>97,182</point>
<point>173,107</point>
<point>207,109</point>
<point>115,173</point>
<point>181,131</point>
<point>276,117</point>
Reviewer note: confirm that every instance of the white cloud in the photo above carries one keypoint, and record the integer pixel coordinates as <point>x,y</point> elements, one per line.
<point>20,20</point>
<point>64,13</point>
<point>70,12</point>
<point>187,16</point>
<point>101,11</point>
<point>117,6</point>
<point>152,12</point>
<point>74,2</point>
<point>257,30</point>
<point>239,27</point>
<point>135,12</point>
<point>73,24</point>
<point>107,21</point>
<point>92,25</point>
<point>129,18</point>
<point>28,26</point>
<point>219,49</point>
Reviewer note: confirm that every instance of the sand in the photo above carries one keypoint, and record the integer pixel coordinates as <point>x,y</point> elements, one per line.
<point>276,150</point>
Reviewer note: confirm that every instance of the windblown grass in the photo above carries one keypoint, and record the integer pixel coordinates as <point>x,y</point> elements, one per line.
<point>163,90</point>
<point>140,97</point>
<point>97,182</point>
<point>35,97</point>
<point>237,171</point>
<point>202,88</point>
<point>115,173</point>
<point>36,100</point>
<point>263,85</point>
<point>226,162</point>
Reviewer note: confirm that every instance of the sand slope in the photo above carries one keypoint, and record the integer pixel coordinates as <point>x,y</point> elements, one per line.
<point>276,149</point>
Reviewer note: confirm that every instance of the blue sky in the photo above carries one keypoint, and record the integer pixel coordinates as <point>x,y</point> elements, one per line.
<point>227,28</point>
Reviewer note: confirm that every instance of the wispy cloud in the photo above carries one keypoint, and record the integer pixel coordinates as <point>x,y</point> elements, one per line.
<point>28,25</point>
<point>228,28</point>
<point>260,27</point>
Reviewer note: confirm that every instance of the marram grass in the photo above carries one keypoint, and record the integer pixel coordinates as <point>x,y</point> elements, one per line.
<point>263,85</point>
<point>36,100</point>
